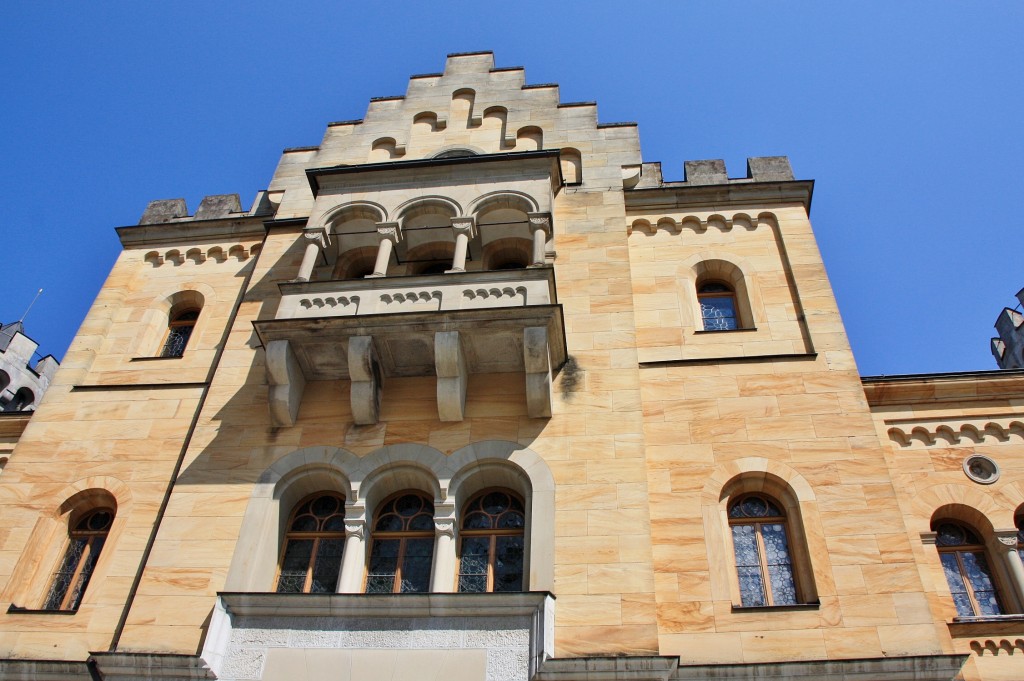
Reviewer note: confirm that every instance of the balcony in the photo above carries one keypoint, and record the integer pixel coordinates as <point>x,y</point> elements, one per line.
<point>445,325</point>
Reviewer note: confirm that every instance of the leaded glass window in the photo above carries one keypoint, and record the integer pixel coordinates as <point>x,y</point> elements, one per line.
<point>85,541</point>
<point>313,546</point>
<point>402,546</point>
<point>967,571</point>
<point>492,544</point>
<point>717,306</point>
<point>764,563</point>
<point>178,333</point>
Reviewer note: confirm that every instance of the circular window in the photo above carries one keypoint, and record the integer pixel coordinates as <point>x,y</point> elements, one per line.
<point>981,469</point>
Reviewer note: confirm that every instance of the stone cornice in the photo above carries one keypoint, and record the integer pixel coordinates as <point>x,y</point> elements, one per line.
<point>970,386</point>
<point>736,193</point>
<point>191,231</point>
<point>385,605</point>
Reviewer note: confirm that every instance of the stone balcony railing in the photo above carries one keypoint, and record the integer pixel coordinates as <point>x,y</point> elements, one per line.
<point>444,325</point>
<point>426,293</point>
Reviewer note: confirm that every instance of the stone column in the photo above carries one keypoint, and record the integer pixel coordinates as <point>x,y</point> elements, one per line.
<point>540,228</point>
<point>316,242</point>
<point>1008,544</point>
<point>442,572</point>
<point>354,559</point>
<point>465,229</point>
<point>389,234</point>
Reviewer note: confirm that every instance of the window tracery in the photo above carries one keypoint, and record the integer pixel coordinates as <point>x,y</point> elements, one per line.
<point>85,542</point>
<point>764,562</point>
<point>313,546</point>
<point>717,306</point>
<point>492,544</point>
<point>179,330</point>
<point>967,570</point>
<point>402,545</point>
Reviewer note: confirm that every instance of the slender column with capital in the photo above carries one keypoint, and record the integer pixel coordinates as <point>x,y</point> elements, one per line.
<point>465,229</point>
<point>390,234</point>
<point>442,572</point>
<point>540,228</point>
<point>1008,544</point>
<point>316,242</point>
<point>354,558</point>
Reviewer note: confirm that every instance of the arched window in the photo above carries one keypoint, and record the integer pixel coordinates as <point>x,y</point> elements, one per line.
<point>491,543</point>
<point>313,546</point>
<point>717,306</point>
<point>402,545</point>
<point>967,569</point>
<point>763,559</point>
<point>21,401</point>
<point>179,330</point>
<point>85,541</point>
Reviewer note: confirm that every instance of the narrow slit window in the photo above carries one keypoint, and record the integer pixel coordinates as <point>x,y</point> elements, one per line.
<point>492,544</point>
<point>85,542</point>
<point>402,546</point>
<point>313,546</point>
<point>717,306</point>
<point>764,562</point>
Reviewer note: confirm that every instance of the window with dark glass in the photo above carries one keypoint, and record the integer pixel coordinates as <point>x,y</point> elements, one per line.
<point>178,332</point>
<point>763,559</point>
<point>717,306</point>
<point>85,541</point>
<point>402,546</point>
<point>313,546</point>
<point>1020,536</point>
<point>491,543</point>
<point>967,570</point>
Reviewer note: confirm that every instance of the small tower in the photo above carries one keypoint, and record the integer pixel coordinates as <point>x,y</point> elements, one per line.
<point>22,385</point>
<point>1008,348</point>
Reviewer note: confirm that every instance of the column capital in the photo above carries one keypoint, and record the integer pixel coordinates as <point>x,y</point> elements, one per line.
<point>390,231</point>
<point>465,226</point>
<point>1007,538</point>
<point>445,526</point>
<point>316,235</point>
<point>540,221</point>
<point>355,528</point>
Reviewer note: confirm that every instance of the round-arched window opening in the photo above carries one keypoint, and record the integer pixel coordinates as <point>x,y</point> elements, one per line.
<point>179,330</point>
<point>717,306</point>
<point>456,153</point>
<point>433,268</point>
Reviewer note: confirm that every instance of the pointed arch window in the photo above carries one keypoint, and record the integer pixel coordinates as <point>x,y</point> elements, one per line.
<point>717,306</point>
<point>85,542</point>
<point>179,330</point>
<point>492,544</point>
<point>402,545</point>
<point>967,570</point>
<point>764,562</point>
<point>313,546</point>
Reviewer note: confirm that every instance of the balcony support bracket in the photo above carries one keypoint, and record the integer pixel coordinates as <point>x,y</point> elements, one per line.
<point>287,383</point>
<point>366,376</point>
<point>537,361</point>
<point>452,376</point>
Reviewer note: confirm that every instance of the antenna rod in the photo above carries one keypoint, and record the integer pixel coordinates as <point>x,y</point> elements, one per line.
<point>30,305</point>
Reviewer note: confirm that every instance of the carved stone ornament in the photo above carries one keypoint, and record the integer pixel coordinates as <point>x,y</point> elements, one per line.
<point>540,221</point>
<point>1007,538</point>
<point>445,526</point>
<point>981,469</point>
<point>316,236</point>
<point>357,530</point>
<point>390,231</point>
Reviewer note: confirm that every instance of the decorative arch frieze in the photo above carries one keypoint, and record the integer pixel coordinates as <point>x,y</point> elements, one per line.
<point>700,224</point>
<point>198,256</point>
<point>965,433</point>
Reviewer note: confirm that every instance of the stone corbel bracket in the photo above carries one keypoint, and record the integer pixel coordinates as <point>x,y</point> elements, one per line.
<point>537,361</point>
<point>287,383</point>
<point>366,376</point>
<point>452,376</point>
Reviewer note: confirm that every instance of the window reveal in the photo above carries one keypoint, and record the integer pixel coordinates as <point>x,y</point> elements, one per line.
<point>85,542</point>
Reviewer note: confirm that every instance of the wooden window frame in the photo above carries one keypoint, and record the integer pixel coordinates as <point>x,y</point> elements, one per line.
<point>762,553</point>
<point>403,536</point>
<point>493,534</point>
<point>317,536</point>
<point>91,536</point>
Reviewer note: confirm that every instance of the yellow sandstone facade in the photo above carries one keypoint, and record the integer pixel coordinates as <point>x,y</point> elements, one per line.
<point>470,392</point>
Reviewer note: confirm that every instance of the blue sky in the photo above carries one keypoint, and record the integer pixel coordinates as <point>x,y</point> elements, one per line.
<point>906,114</point>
